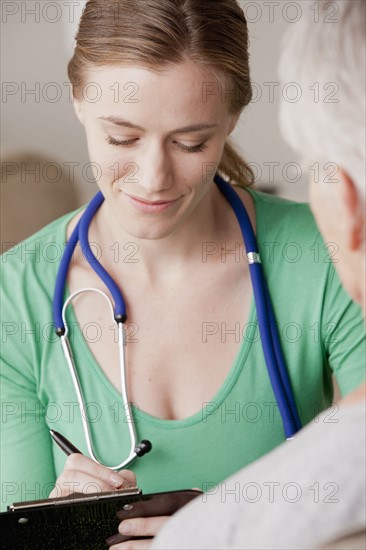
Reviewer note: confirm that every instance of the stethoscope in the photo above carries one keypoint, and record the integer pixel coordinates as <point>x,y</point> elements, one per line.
<point>266,321</point>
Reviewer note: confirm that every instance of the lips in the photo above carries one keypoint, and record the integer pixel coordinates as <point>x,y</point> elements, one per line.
<point>145,201</point>
<point>150,207</point>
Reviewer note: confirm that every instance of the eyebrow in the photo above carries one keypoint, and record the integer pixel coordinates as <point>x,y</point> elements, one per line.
<point>185,130</point>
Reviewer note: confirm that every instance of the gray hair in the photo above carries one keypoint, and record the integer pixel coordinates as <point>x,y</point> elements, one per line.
<point>324,54</point>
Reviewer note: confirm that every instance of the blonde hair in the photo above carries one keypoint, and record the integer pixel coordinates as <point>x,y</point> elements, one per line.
<point>159,33</point>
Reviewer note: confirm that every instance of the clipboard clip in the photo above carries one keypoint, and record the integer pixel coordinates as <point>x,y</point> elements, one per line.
<point>73,499</point>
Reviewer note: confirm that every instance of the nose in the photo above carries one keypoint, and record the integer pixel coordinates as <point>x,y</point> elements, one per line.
<point>155,171</point>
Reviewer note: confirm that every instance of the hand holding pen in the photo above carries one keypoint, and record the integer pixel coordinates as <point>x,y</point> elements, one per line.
<point>82,475</point>
<point>65,445</point>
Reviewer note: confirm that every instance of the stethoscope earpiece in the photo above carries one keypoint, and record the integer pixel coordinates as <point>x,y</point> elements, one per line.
<point>142,448</point>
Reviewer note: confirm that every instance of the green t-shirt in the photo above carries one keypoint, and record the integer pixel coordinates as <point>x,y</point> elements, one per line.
<point>321,329</point>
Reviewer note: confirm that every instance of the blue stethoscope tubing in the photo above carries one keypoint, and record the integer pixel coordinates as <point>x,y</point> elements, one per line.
<point>272,350</point>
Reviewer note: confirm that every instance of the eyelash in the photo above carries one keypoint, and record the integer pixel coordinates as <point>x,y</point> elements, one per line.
<point>193,149</point>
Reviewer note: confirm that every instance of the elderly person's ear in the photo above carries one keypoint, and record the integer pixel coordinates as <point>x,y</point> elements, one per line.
<point>352,208</point>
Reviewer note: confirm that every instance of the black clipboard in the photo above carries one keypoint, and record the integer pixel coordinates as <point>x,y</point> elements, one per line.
<point>82,522</point>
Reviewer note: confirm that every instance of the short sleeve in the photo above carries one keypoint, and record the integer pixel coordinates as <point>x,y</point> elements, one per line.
<point>27,471</point>
<point>27,468</point>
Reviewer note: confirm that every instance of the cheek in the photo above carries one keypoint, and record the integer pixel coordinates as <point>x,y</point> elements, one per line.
<point>326,215</point>
<point>100,152</point>
<point>109,165</point>
<point>203,167</point>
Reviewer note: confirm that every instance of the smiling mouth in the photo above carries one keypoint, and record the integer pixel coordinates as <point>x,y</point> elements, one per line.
<point>152,203</point>
<point>151,207</point>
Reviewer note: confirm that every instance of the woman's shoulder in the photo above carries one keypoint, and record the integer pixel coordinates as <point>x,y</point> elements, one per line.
<point>265,200</point>
<point>29,268</point>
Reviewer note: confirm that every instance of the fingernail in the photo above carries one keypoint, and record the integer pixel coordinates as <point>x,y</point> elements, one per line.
<point>129,485</point>
<point>116,480</point>
<point>125,528</point>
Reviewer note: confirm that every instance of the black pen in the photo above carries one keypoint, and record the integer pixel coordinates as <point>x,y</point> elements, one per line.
<point>64,443</point>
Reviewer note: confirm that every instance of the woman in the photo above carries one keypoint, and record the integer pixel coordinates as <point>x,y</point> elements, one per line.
<point>159,86</point>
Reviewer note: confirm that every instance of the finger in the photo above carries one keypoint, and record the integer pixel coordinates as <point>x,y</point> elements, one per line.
<point>129,476</point>
<point>86,465</point>
<point>133,545</point>
<point>74,481</point>
<point>116,540</point>
<point>142,527</point>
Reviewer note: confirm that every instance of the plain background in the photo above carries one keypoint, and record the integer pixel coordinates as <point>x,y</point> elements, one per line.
<point>36,44</point>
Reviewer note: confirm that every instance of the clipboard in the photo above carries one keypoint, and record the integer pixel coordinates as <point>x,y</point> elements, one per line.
<point>80,522</point>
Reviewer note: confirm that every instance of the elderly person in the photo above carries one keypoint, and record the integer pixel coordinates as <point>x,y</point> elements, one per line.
<point>311,491</point>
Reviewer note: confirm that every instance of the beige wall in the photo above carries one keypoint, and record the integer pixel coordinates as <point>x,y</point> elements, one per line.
<point>258,133</point>
<point>35,51</point>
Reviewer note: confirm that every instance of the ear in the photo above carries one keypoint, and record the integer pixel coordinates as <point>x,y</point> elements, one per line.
<point>79,110</point>
<point>352,207</point>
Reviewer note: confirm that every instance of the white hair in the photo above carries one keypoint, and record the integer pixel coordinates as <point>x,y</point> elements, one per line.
<point>324,52</point>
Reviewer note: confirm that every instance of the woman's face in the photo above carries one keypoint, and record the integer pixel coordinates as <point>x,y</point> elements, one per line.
<point>154,165</point>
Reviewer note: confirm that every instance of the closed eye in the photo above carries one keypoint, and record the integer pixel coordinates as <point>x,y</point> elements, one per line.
<point>126,143</point>
<point>190,149</point>
<point>193,148</point>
